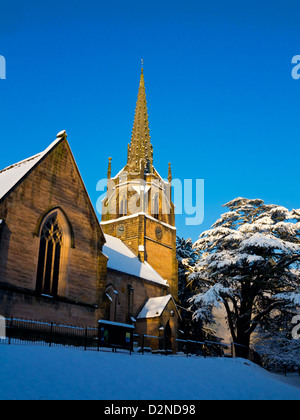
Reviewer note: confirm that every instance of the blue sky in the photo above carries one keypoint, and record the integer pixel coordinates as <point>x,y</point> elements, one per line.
<point>222,104</point>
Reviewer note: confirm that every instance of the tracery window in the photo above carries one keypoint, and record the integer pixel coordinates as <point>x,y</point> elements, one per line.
<point>51,243</point>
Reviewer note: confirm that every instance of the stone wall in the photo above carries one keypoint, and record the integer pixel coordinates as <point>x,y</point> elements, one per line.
<point>158,240</point>
<point>54,183</point>
<point>142,291</point>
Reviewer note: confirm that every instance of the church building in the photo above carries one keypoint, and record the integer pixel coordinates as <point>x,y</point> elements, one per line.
<point>52,267</point>
<point>138,215</point>
<point>58,263</point>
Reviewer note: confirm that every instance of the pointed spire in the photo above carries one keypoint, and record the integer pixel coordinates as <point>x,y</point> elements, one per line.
<point>109,168</point>
<point>140,151</point>
<point>170,173</point>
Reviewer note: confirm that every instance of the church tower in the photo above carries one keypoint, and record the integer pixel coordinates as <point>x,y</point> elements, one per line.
<point>138,208</point>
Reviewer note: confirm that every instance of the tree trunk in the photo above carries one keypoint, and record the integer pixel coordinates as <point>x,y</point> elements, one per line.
<point>242,345</point>
<point>243,324</point>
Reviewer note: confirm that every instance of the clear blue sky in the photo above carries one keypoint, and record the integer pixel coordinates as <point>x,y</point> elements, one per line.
<point>222,103</point>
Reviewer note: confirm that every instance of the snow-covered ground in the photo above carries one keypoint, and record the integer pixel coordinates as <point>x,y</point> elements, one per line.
<point>38,372</point>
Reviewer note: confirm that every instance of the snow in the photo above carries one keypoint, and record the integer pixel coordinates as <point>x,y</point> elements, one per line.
<point>259,240</point>
<point>241,201</point>
<point>293,297</point>
<point>154,307</point>
<point>117,324</point>
<point>43,373</point>
<point>11,175</point>
<point>121,258</point>
<point>107,295</point>
<point>224,259</point>
<point>118,174</point>
<point>213,295</point>
<point>131,216</point>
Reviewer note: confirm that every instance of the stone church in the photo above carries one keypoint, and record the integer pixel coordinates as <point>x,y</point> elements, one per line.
<point>59,263</point>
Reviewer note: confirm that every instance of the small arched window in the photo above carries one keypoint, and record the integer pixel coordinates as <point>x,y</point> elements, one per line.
<point>156,206</point>
<point>53,251</point>
<point>123,206</point>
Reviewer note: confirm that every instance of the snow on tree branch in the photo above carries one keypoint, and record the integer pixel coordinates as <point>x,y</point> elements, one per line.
<point>290,297</point>
<point>250,258</point>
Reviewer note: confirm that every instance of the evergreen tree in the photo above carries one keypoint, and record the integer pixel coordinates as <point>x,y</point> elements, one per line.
<point>192,328</point>
<point>187,259</point>
<point>249,263</point>
<point>279,350</point>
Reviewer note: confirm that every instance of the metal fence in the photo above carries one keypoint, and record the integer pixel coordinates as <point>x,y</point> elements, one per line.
<point>23,331</point>
<point>144,343</point>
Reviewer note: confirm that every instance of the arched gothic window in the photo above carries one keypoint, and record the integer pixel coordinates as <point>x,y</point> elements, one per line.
<point>54,241</point>
<point>156,206</point>
<point>123,206</point>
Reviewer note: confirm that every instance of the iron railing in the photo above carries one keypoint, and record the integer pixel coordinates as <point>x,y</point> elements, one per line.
<point>24,331</point>
<point>21,331</point>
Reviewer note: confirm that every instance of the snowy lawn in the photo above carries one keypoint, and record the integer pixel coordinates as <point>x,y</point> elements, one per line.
<point>37,372</point>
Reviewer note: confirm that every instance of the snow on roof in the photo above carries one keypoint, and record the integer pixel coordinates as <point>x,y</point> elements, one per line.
<point>141,213</point>
<point>116,324</point>
<point>154,307</point>
<point>11,175</point>
<point>121,258</point>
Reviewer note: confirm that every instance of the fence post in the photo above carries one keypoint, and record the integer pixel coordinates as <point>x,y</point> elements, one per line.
<point>85,339</point>
<point>10,330</point>
<point>187,348</point>
<point>131,343</point>
<point>205,352</point>
<point>143,343</point>
<point>99,336</point>
<point>50,334</point>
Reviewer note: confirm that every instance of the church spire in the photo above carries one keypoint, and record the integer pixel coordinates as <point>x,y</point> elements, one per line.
<point>109,168</point>
<point>140,150</point>
<point>170,173</point>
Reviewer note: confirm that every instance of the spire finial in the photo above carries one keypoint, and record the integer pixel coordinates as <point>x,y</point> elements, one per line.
<point>142,65</point>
